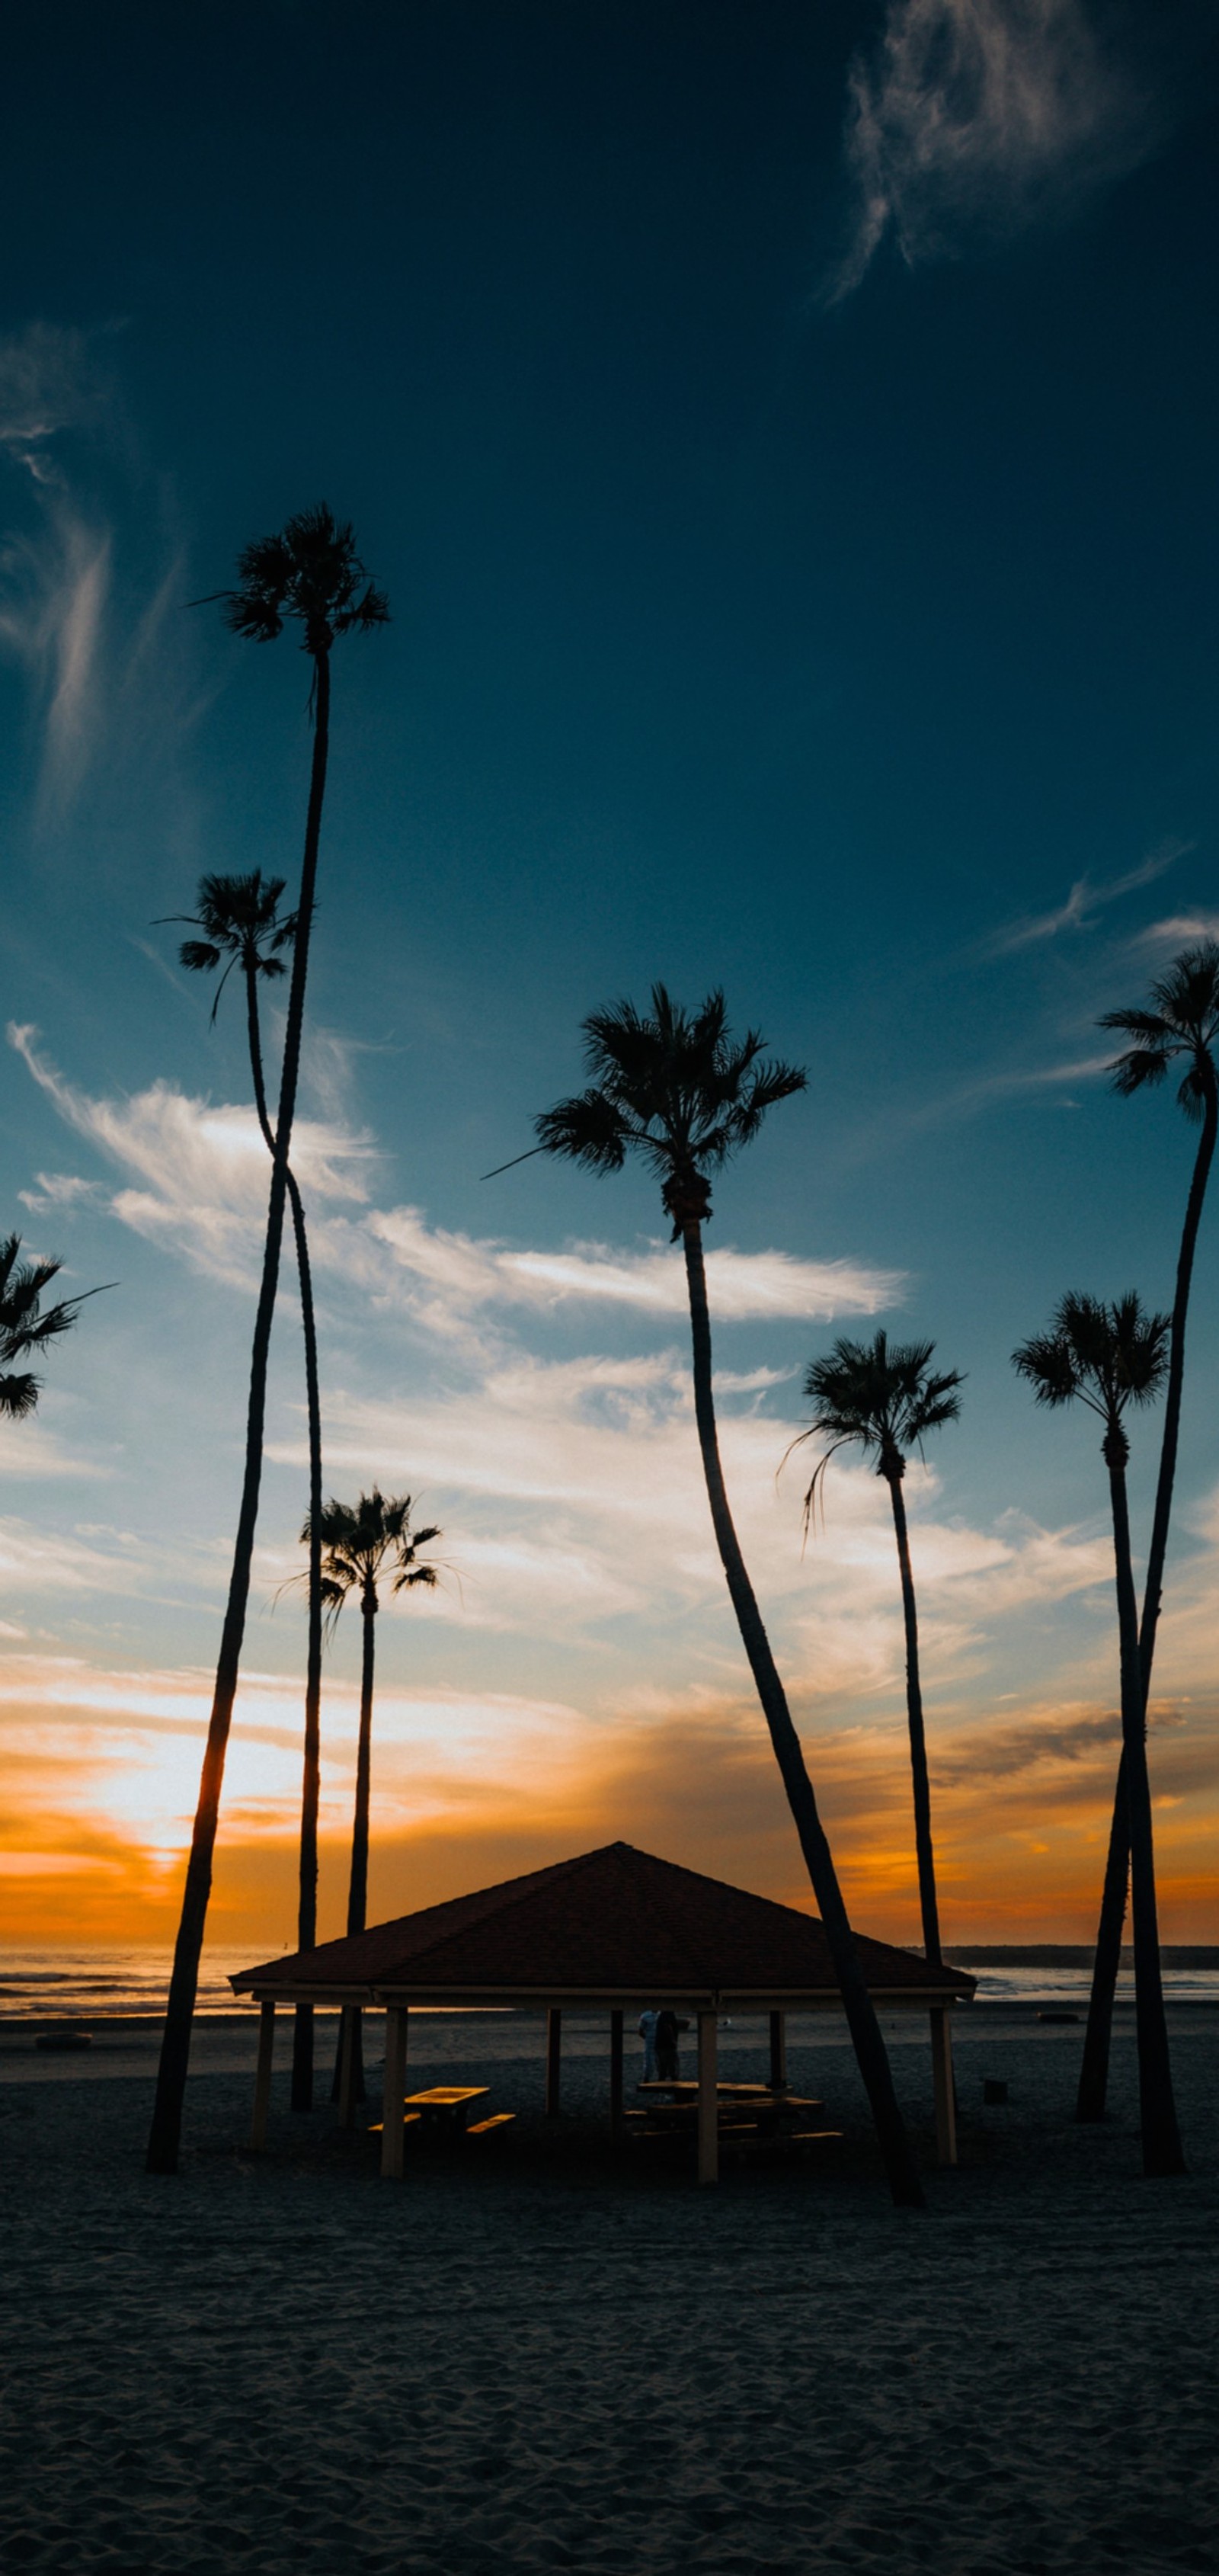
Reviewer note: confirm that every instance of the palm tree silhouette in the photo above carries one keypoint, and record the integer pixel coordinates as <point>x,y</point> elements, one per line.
<point>24,1329</point>
<point>1180,1029</point>
<point>360,1543</point>
<point>1108,1358</point>
<point>885,1402</point>
<point>312,573</point>
<point>679,1091</point>
<point>243,927</point>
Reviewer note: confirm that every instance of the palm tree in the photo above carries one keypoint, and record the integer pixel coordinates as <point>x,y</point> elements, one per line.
<point>1179,1030</point>
<point>24,1328</point>
<point>359,1544</point>
<point>683,1094</point>
<point>885,1402</point>
<point>241,923</point>
<point>1110,1357</point>
<point>310,572</point>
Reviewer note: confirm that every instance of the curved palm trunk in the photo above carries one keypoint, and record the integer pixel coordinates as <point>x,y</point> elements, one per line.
<point>857,2003</point>
<point>166,2128</point>
<point>311,1780</point>
<point>1094,2070</point>
<point>1162,2152</point>
<point>306,1920</point>
<point>918,1741</point>
<point>357,1894</point>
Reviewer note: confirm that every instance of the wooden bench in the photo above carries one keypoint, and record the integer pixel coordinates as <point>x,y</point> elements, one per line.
<point>378,2125</point>
<point>812,2137</point>
<point>497,2120</point>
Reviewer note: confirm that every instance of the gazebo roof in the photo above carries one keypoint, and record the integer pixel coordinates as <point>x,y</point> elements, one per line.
<point>611,1923</point>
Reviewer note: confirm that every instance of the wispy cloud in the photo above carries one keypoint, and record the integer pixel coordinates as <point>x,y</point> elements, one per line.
<point>1180,930</point>
<point>1085,901</point>
<point>989,1090</point>
<point>202,1169</point>
<point>54,577</point>
<point>89,655</point>
<point>202,1175</point>
<point>971,119</point>
<point>58,1190</point>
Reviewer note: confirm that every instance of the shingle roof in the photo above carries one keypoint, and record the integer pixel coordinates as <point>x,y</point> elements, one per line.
<point>612,1921</point>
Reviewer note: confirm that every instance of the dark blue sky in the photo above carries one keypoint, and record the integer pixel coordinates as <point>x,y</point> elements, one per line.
<point>750,627</point>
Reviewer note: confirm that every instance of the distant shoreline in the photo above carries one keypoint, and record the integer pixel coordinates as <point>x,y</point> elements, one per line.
<point>1067,1954</point>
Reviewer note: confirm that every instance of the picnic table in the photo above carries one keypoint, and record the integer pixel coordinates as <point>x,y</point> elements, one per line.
<point>447,2104</point>
<point>742,2110</point>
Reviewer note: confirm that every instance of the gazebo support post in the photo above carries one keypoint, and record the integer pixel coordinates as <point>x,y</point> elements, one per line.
<point>708,2101</point>
<point>778,2051</point>
<point>393,2129</point>
<point>945,2090</point>
<point>554,2059</point>
<point>615,2074</point>
<point>262,2077</point>
<point>349,2047</point>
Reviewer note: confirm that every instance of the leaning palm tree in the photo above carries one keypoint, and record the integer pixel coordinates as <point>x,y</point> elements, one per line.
<point>682,1093</point>
<point>25,1329</point>
<point>1179,1031</point>
<point>1109,1358</point>
<point>242,927</point>
<point>312,573</point>
<point>359,1544</point>
<point>885,1402</point>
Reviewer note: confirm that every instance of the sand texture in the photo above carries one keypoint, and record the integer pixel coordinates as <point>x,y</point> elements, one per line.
<point>527,2357</point>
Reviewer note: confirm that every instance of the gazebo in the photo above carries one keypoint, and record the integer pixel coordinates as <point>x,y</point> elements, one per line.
<point>614,1929</point>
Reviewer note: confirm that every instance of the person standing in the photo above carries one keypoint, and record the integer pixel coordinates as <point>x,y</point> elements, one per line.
<point>666,2046</point>
<point>647,2033</point>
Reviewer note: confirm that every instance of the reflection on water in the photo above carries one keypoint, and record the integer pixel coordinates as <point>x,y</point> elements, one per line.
<point>1032,1983</point>
<point>105,1984</point>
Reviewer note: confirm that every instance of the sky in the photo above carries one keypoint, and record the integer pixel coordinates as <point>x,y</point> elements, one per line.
<point>787,438</point>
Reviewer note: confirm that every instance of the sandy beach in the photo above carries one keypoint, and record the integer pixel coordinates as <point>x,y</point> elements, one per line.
<point>532,2355</point>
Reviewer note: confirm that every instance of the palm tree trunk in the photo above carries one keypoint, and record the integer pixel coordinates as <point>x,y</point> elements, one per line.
<point>357,1894</point>
<point>166,2127</point>
<point>306,1921</point>
<point>1162,2153</point>
<point>1107,1959</point>
<point>311,1781</point>
<point>918,1740</point>
<point>857,2003</point>
<point>1094,2071</point>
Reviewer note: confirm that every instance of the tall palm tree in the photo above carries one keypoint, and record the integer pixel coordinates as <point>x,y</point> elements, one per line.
<point>360,1543</point>
<point>682,1093</point>
<point>1109,1358</point>
<point>24,1328</point>
<point>243,927</point>
<point>1180,1030</point>
<point>885,1402</point>
<point>311,573</point>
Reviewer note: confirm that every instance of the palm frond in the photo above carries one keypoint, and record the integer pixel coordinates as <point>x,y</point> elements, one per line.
<point>1184,1022</point>
<point>199,956</point>
<point>19,1396</point>
<point>309,571</point>
<point>670,1085</point>
<point>1105,1355</point>
<point>1047,1361</point>
<point>587,1129</point>
<point>25,1327</point>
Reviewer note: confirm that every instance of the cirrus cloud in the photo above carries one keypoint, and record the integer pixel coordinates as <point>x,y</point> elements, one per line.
<point>972,119</point>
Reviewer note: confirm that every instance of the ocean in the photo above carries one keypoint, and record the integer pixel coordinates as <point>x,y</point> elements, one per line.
<point>103,1985</point>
